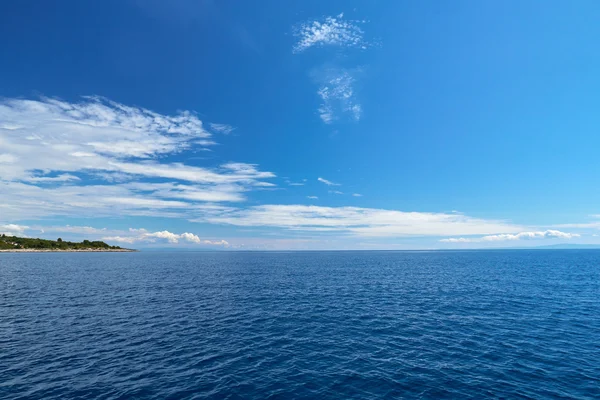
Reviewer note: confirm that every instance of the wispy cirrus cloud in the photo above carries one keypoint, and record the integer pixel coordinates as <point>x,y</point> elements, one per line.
<point>336,86</point>
<point>548,234</point>
<point>96,155</point>
<point>356,221</point>
<point>595,224</point>
<point>329,31</point>
<point>338,95</point>
<point>221,128</point>
<point>327,182</point>
<point>58,178</point>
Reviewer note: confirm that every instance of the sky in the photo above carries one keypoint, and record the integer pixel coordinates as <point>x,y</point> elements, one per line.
<point>306,125</point>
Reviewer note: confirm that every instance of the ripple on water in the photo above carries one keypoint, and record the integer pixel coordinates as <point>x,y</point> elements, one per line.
<point>300,325</point>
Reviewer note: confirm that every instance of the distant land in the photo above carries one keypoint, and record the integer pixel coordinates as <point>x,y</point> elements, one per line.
<point>559,246</point>
<point>565,246</point>
<point>19,244</point>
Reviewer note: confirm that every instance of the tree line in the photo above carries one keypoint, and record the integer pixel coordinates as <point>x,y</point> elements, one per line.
<point>15,242</point>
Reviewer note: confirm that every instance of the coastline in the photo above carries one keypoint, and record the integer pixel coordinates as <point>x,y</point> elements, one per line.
<point>68,251</point>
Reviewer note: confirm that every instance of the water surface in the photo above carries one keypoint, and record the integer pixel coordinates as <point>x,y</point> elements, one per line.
<point>511,324</point>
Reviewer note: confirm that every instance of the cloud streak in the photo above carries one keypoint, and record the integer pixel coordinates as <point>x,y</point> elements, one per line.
<point>327,182</point>
<point>221,128</point>
<point>548,234</point>
<point>364,222</point>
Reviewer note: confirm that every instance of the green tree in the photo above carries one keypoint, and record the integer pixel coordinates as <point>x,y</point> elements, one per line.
<point>59,240</point>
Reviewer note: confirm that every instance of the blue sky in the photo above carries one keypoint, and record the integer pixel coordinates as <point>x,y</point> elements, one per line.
<point>301,125</point>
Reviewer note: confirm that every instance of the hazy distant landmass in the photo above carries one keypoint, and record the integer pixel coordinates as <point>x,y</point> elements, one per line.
<point>15,243</point>
<point>565,246</point>
<point>559,246</point>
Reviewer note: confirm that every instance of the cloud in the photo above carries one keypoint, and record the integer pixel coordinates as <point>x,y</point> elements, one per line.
<point>120,239</point>
<point>216,242</point>
<point>583,225</point>
<point>548,234</point>
<point>335,192</point>
<point>327,182</point>
<point>359,221</point>
<point>130,236</point>
<point>169,199</point>
<point>312,197</point>
<point>13,229</point>
<point>141,235</point>
<point>8,158</point>
<point>329,31</point>
<point>337,94</point>
<point>94,157</point>
<point>356,195</point>
<point>456,240</point>
<point>59,178</point>
<point>94,127</point>
<point>221,128</point>
<point>85,230</point>
<point>336,88</point>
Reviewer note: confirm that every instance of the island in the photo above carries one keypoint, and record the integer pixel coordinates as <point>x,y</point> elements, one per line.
<point>21,244</point>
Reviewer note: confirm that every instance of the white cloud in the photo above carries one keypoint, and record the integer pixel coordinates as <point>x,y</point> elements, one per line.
<point>100,135</point>
<point>456,240</point>
<point>336,192</point>
<point>59,178</point>
<point>356,194</point>
<point>142,235</point>
<point>13,229</point>
<point>548,234</point>
<point>85,230</point>
<point>120,239</point>
<point>329,31</point>
<point>170,237</point>
<point>337,94</point>
<point>95,127</point>
<point>327,182</point>
<point>221,128</point>
<point>190,237</point>
<point>50,149</point>
<point>583,225</point>
<point>132,235</point>
<point>359,221</point>
<point>216,242</point>
<point>312,197</point>
<point>8,159</point>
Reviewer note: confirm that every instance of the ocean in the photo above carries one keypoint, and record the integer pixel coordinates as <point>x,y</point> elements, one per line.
<point>300,325</point>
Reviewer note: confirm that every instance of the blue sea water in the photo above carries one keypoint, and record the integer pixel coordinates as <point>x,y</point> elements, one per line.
<point>300,325</point>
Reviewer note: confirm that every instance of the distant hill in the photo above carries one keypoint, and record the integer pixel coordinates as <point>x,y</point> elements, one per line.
<point>20,243</point>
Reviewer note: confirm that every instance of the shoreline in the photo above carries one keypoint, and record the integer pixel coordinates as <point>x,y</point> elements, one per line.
<point>68,251</point>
